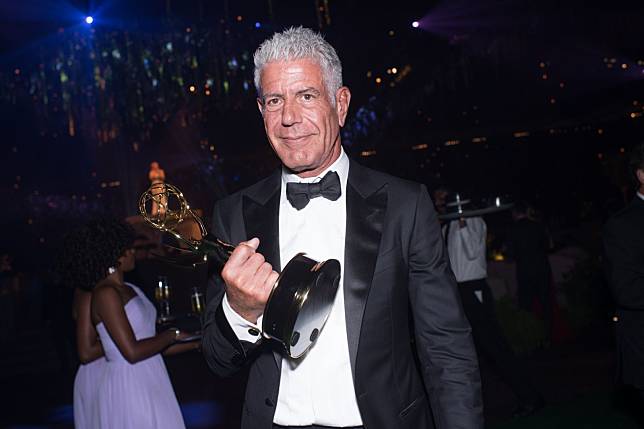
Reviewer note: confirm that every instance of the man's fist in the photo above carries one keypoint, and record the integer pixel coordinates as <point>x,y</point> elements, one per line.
<point>249,280</point>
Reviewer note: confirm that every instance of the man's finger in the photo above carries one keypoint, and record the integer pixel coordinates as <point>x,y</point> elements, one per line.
<point>253,243</point>
<point>242,252</point>
<point>269,283</point>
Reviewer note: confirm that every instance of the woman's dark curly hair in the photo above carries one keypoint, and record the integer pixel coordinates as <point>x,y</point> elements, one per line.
<point>90,250</point>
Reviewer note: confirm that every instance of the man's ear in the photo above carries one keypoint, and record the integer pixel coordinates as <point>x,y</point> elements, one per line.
<point>260,106</point>
<point>342,100</point>
<point>640,176</point>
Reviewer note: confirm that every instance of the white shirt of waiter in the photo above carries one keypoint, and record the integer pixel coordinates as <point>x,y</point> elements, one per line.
<point>466,248</point>
<point>317,389</point>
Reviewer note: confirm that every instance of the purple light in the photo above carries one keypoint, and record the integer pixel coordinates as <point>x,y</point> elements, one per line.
<point>89,19</point>
<point>258,24</point>
<point>415,24</point>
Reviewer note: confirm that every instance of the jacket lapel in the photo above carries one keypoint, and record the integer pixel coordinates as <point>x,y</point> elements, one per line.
<point>366,207</point>
<point>261,219</point>
<point>638,202</point>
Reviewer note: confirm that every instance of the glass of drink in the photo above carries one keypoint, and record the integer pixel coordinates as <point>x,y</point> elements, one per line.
<point>196,299</point>
<point>159,290</point>
<point>162,296</point>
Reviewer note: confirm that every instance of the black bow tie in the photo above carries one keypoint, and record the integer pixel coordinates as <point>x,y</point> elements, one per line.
<point>299,194</point>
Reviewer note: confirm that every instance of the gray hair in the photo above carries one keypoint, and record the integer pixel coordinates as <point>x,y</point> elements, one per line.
<point>297,43</point>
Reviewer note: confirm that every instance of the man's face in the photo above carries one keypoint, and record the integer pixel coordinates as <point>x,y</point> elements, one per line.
<point>302,125</point>
<point>440,199</point>
<point>640,178</point>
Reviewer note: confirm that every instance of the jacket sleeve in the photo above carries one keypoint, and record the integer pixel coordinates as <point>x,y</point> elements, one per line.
<point>443,335</point>
<point>223,351</point>
<point>624,266</point>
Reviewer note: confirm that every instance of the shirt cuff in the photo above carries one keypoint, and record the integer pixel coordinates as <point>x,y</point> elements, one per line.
<point>244,330</point>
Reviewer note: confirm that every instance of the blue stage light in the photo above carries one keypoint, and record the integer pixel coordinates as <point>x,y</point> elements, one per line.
<point>89,19</point>
<point>258,24</point>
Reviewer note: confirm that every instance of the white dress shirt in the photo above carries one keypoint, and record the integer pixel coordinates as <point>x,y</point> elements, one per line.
<point>640,195</point>
<point>317,388</point>
<point>466,249</point>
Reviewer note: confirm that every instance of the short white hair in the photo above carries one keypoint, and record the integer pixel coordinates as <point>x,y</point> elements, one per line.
<point>298,43</point>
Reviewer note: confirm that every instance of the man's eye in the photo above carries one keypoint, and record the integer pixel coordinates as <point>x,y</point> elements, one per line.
<point>308,97</point>
<point>272,101</point>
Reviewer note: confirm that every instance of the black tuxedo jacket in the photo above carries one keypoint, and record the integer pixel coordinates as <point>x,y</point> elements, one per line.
<point>624,250</point>
<point>409,341</point>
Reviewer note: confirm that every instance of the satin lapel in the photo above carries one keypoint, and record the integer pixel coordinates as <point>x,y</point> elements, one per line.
<point>261,219</point>
<point>638,202</point>
<point>366,207</point>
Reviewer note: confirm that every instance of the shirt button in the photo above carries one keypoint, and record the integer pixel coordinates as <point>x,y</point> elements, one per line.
<point>253,331</point>
<point>268,402</point>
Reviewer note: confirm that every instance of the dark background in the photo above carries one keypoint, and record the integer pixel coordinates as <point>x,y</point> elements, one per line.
<point>538,95</point>
<point>535,101</point>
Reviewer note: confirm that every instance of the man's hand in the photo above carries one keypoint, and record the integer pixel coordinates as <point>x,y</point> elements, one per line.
<point>249,280</point>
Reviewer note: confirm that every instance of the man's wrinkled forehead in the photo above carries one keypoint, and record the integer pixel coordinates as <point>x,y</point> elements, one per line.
<point>295,75</point>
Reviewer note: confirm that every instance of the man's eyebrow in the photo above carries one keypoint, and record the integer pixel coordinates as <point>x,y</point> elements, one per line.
<point>309,89</point>
<point>272,94</point>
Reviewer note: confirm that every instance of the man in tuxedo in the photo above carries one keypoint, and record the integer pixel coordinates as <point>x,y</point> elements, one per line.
<point>624,249</point>
<point>396,350</point>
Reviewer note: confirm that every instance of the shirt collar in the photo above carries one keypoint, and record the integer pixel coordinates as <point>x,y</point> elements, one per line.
<point>340,166</point>
<point>640,195</point>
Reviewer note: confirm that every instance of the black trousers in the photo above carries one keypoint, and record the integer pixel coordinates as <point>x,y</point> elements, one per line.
<point>490,341</point>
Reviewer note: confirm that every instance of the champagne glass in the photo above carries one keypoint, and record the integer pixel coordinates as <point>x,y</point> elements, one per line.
<point>166,291</point>
<point>159,289</point>
<point>196,299</point>
<point>162,296</point>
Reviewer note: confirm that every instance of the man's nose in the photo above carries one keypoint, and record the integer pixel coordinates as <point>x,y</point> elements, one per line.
<point>290,113</point>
